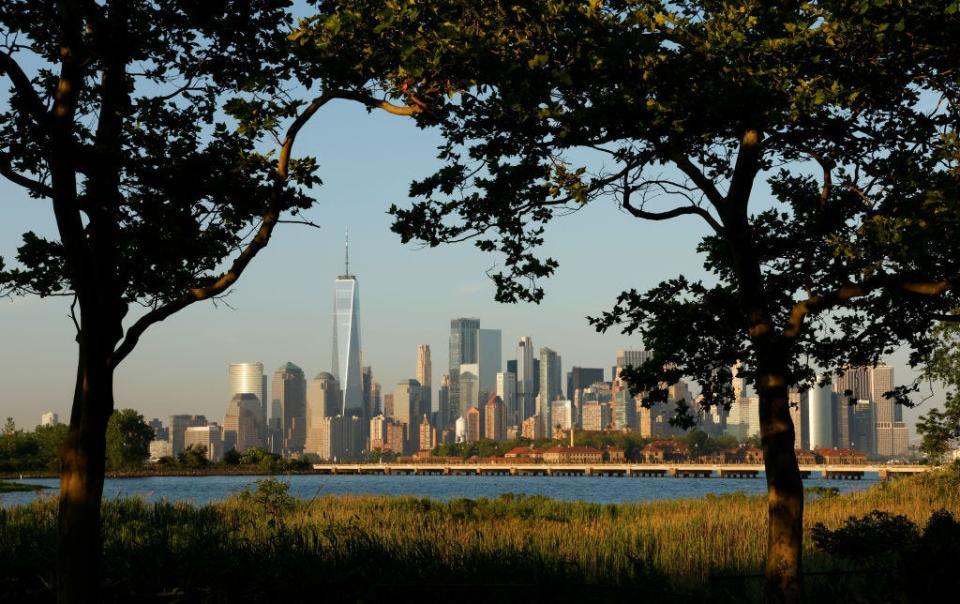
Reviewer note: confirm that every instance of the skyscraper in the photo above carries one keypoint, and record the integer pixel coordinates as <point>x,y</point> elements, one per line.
<point>177,427</point>
<point>633,358</point>
<point>489,357</point>
<point>346,339</point>
<point>550,380</point>
<point>525,371</point>
<point>494,421</point>
<point>463,350</point>
<point>507,391</point>
<point>407,403</point>
<point>579,378</point>
<point>289,405</point>
<point>425,377</point>
<point>248,378</point>
<point>241,425</point>
<point>444,410</point>
<point>821,416</point>
<point>323,400</point>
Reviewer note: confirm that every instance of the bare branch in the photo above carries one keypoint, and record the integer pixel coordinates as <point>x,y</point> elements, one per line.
<point>694,210</point>
<point>308,223</point>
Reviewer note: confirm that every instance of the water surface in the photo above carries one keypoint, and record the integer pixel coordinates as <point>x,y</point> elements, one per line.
<point>204,489</point>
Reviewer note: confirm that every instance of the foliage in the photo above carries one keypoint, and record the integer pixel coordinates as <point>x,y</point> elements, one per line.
<point>128,440</point>
<point>377,455</point>
<point>231,458</point>
<point>917,565</point>
<point>547,107</point>
<point>31,451</point>
<point>194,456</point>
<point>940,429</point>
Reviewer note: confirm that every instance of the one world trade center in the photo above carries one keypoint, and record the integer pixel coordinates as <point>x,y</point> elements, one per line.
<point>346,339</point>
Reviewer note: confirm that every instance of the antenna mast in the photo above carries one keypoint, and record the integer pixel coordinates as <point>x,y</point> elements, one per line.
<point>347,252</point>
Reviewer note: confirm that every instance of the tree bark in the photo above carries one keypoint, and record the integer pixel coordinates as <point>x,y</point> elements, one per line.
<point>82,458</point>
<point>784,581</point>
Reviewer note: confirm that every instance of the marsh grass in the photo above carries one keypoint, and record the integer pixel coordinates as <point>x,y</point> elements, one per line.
<point>263,544</point>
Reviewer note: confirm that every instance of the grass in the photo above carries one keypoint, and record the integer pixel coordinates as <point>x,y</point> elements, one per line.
<point>13,487</point>
<point>266,545</point>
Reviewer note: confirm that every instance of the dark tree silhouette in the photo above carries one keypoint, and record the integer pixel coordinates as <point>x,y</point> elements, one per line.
<point>677,109</point>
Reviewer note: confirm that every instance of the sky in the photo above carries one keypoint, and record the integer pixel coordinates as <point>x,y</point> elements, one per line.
<point>281,309</point>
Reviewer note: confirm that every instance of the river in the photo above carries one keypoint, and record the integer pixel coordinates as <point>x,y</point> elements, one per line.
<point>204,489</point>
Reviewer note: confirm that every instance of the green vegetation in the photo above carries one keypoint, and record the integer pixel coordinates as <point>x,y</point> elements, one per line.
<point>30,451</point>
<point>13,487</point>
<point>940,429</point>
<point>128,440</point>
<point>264,544</point>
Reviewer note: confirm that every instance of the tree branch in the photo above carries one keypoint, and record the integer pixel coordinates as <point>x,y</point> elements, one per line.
<point>375,103</point>
<point>268,221</point>
<point>819,303</point>
<point>668,214</point>
<point>35,186</point>
<point>23,87</point>
<point>703,183</point>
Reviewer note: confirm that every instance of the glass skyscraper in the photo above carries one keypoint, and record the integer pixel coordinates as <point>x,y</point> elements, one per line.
<point>346,340</point>
<point>464,336</point>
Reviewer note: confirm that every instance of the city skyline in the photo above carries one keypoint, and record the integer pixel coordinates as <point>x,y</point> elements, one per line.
<point>281,310</point>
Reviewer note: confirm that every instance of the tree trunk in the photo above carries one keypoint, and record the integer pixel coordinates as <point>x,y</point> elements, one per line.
<point>79,547</point>
<point>784,487</point>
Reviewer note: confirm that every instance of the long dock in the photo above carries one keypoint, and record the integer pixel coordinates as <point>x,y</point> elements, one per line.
<point>677,470</point>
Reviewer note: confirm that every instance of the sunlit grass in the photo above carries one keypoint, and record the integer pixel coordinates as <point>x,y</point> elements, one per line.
<point>266,544</point>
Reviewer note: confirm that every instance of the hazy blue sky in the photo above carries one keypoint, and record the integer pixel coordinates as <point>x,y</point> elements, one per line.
<point>282,307</point>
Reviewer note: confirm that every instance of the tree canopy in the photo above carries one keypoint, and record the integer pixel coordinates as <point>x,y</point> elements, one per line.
<point>128,440</point>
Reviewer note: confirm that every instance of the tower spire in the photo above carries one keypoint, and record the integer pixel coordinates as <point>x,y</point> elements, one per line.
<point>347,252</point>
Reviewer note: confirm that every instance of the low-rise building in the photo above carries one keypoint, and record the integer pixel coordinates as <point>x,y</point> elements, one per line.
<point>841,456</point>
<point>160,449</point>
<point>573,455</point>
<point>660,451</point>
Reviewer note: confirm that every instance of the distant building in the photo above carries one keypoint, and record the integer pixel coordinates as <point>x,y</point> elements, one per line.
<point>469,385</point>
<point>177,427</point>
<point>527,378</point>
<point>551,371</point>
<point>248,378</point>
<point>323,400</point>
<point>507,391</point>
<point>494,419</point>
<point>397,439</point>
<point>407,404</point>
<point>338,439</point>
<point>159,432</point>
<point>562,413</point>
<point>378,432</point>
<point>445,411</point>
<point>460,430</point>
<point>288,407</point>
<point>425,377</point>
<point>346,340</point>
<point>572,455</point>
<point>473,425</point>
<point>241,424</point>
<point>210,437</point>
<point>489,360</point>
<point>160,449</point>
<point>428,435</point>
<point>821,416</point>
<point>49,419</point>
<point>579,378</point>
<point>532,427</point>
<point>596,416</point>
<point>464,336</point>
<point>840,455</point>
<point>664,450</point>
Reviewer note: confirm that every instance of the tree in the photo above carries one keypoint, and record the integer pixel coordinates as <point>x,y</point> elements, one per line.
<point>940,429</point>
<point>128,440</point>
<point>549,106</point>
<point>117,118</point>
<point>194,456</point>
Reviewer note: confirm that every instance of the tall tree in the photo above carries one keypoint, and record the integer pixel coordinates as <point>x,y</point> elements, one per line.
<point>117,116</point>
<point>671,109</point>
<point>128,439</point>
<point>940,428</point>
